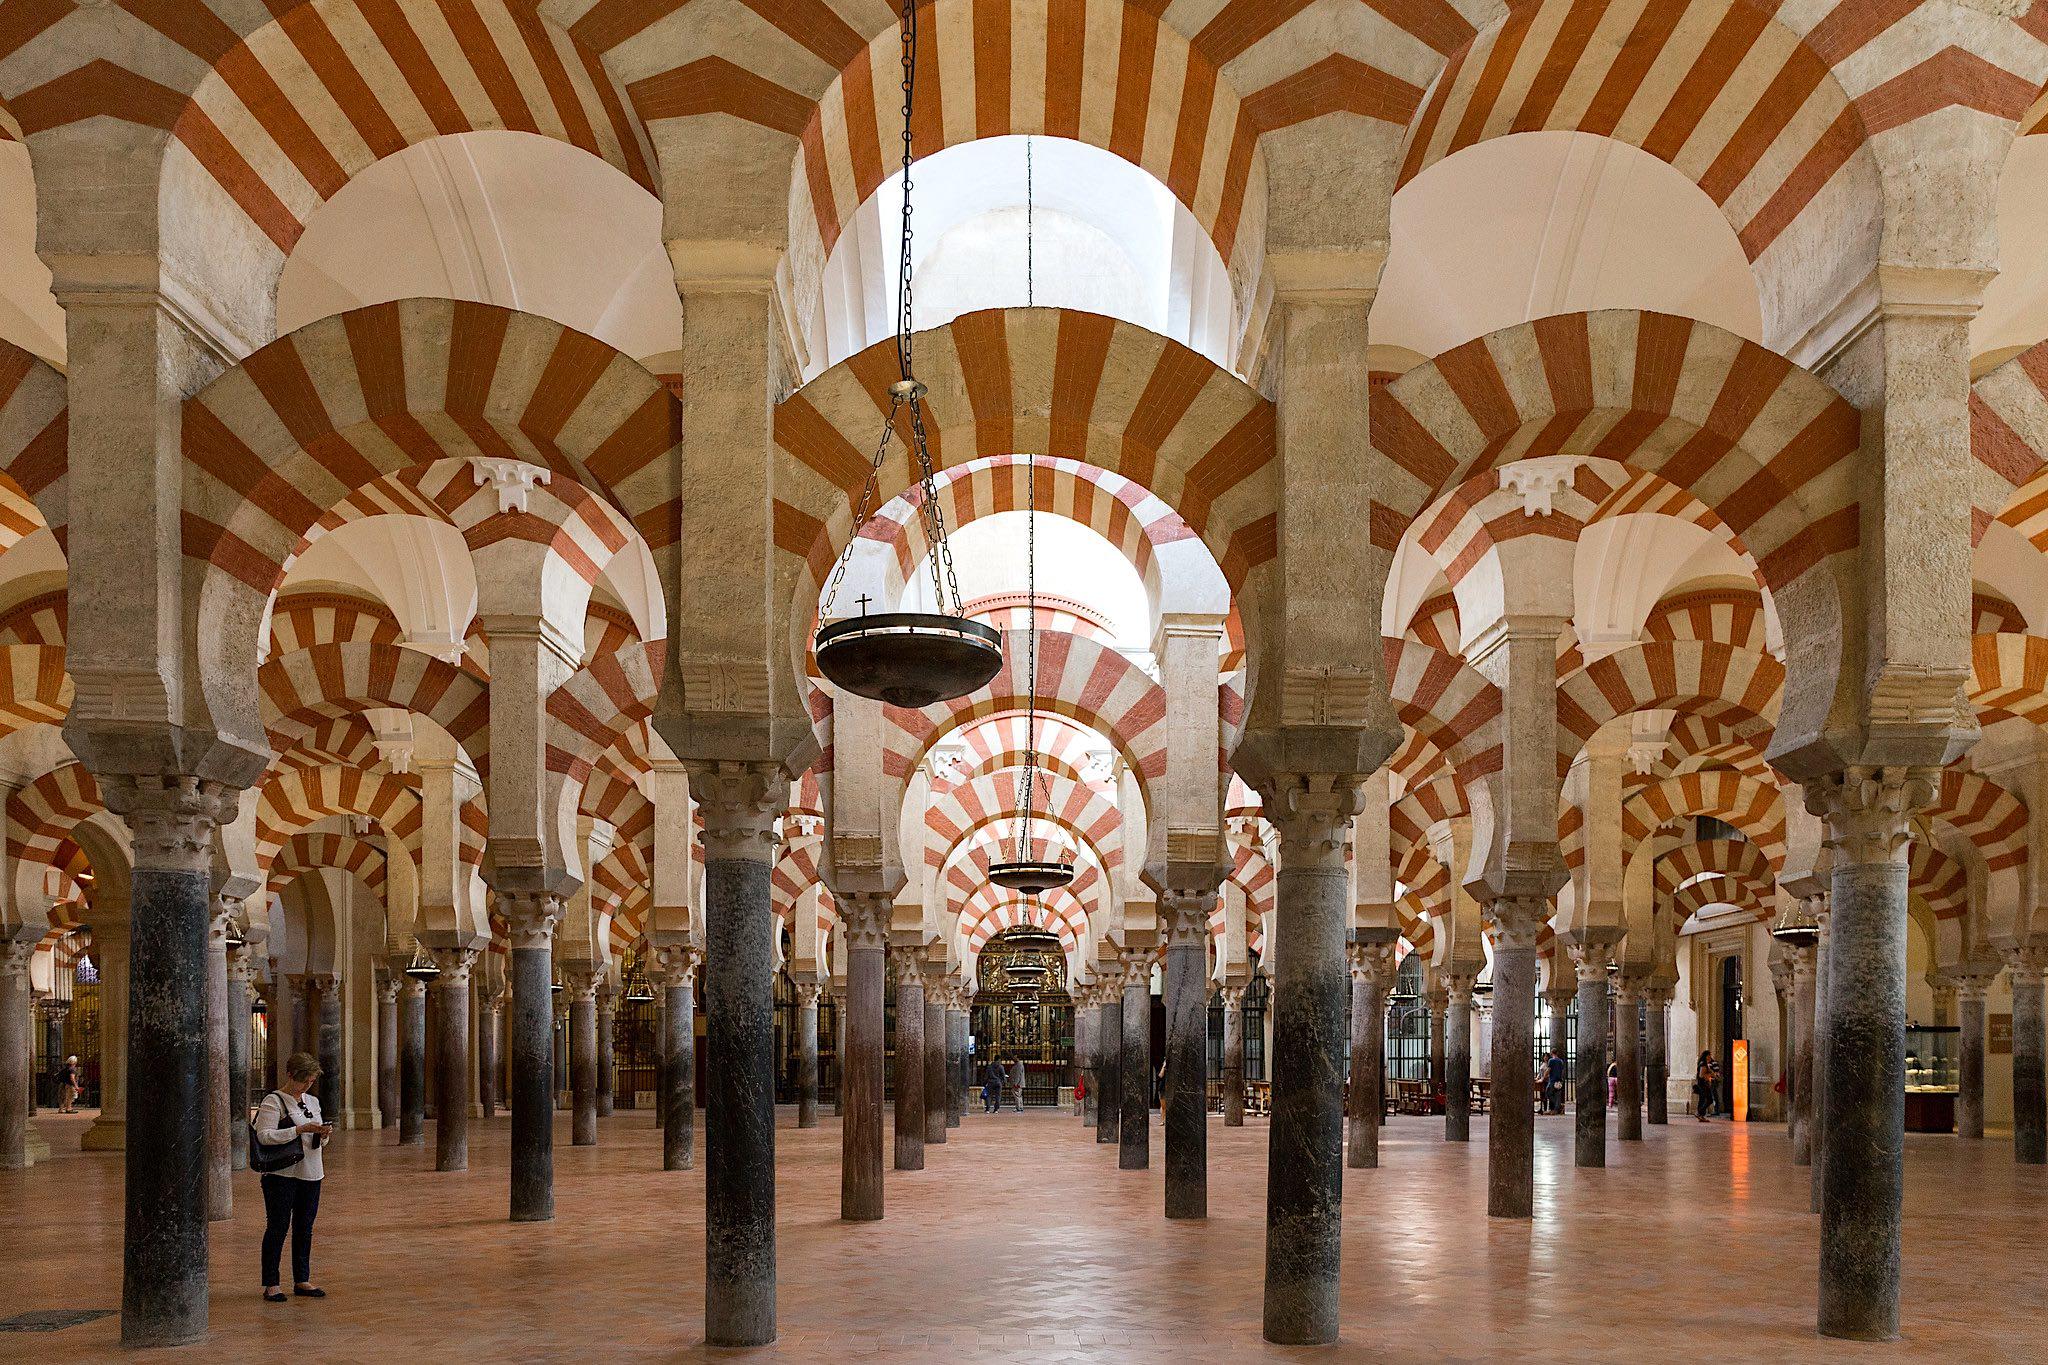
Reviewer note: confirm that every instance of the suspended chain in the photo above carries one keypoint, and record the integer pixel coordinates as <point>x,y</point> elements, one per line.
<point>908,31</point>
<point>860,516</point>
<point>1030,231</point>
<point>1027,780</point>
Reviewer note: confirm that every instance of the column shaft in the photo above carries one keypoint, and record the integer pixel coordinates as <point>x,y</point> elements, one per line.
<point>1657,1074</point>
<point>16,1044</point>
<point>1109,1065</point>
<point>532,1046</point>
<point>583,1066</point>
<point>238,1058</point>
<point>860,1077</point>
<point>387,1055</point>
<point>956,1066</point>
<point>935,1086</point>
<point>679,1077</point>
<point>1589,1119</point>
<point>1368,1049</point>
<point>1233,1057</point>
<point>1970,1090</point>
<point>607,1058</point>
<point>412,1062</point>
<point>220,1189</point>
<point>1799,1122</point>
<point>1185,1116</point>
<point>807,1057</point>
<point>489,1067</point>
<point>1817,1117</point>
<point>1511,1140</point>
<point>333,1079</point>
<point>2029,1092</point>
<point>451,1080</point>
<point>908,1072</point>
<point>1628,1090</point>
<point>1134,1135</point>
<point>1458,1062</point>
<point>739,1107</point>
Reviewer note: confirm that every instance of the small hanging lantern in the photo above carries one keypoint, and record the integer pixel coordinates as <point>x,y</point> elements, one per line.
<point>908,659</point>
<point>422,967</point>
<point>1033,876</point>
<point>1797,927</point>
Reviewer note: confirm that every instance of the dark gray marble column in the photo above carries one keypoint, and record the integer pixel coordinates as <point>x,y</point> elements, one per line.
<point>607,1055</point>
<point>1458,1056</point>
<point>333,1077</point>
<point>558,1039</point>
<point>238,1054</point>
<point>1184,1106</point>
<point>1511,1135</point>
<point>1589,1117</point>
<point>220,1189</point>
<point>412,1061</point>
<point>1372,970</point>
<point>908,1071</point>
<point>490,1067</point>
<point>740,803</point>
<point>16,1045</point>
<point>1817,1118</point>
<point>1233,1056</point>
<point>387,1051</point>
<point>1109,1064</point>
<point>935,1086</point>
<point>164,1254</point>
<point>1970,1087</point>
<point>451,1057</point>
<point>1439,1002</point>
<point>583,1057</point>
<point>1799,1021</point>
<point>839,1057</point>
<point>532,914</point>
<point>1311,996</point>
<point>1656,1046</point>
<point>807,1054</point>
<point>1628,1088</point>
<point>866,917</point>
<point>956,1064</point>
<point>1134,1089</point>
<point>2029,1086</point>
<point>678,1059</point>
<point>1869,815</point>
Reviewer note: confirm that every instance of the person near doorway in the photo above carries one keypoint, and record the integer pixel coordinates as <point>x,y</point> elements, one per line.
<point>1553,1083</point>
<point>69,1086</point>
<point>1613,1083</point>
<point>992,1086</point>
<point>291,1197</point>
<point>1017,1082</point>
<point>1705,1074</point>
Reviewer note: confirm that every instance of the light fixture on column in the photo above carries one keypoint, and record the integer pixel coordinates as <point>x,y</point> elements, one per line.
<point>908,659</point>
<point>422,967</point>
<point>638,992</point>
<point>1033,876</point>
<point>1796,927</point>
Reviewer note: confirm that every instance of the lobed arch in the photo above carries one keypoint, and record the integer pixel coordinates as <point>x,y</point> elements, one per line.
<point>283,439</point>
<point>1764,445</point>
<point>1033,382</point>
<point>1757,106</point>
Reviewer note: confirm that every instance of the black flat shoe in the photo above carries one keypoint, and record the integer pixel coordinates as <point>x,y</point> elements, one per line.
<point>274,1296</point>
<point>308,1293</point>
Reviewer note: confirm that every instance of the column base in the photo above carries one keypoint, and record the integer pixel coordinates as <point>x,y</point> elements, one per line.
<point>105,1135</point>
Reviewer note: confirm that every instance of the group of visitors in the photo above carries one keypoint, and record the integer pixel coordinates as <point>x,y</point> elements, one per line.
<point>1706,1087</point>
<point>996,1078</point>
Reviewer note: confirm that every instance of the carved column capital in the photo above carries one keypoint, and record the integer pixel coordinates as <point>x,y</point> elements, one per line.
<point>739,803</point>
<point>1518,919</point>
<point>1869,811</point>
<point>1233,997</point>
<point>455,964</point>
<point>530,915</point>
<point>1458,986</point>
<point>808,994</point>
<point>2025,959</point>
<point>1186,914</point>
<point>675,966</point>
<point>1372,963</point>
<point>1137,966</point>
<point>172,819</point>
<point>581,983</point>
<point>388,988</point>
<point>866,915</point>
<point>908,964</point>
<point>1313,813</point>
<point>1971,984</point>
<point>1592,959</point>
<point>413,988</point>
<point>241,963</point>
<point>15,955</point>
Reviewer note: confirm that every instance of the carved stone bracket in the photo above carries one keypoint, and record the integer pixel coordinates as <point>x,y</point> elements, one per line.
<point>739,803</point>
<point>1869,812</point>
<point>172,819</point>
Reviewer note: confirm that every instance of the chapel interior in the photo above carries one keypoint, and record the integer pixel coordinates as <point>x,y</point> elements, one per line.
<point>1025,680</point>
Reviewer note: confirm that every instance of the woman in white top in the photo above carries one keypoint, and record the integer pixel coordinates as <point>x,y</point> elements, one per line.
<point>291,1197</point>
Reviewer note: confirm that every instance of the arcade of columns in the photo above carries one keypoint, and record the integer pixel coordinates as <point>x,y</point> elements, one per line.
<point>187,736</point>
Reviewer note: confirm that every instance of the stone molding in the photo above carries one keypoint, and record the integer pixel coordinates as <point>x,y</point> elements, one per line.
<point>1869,812</point>
<point>739,803</point>
<point>455,964</point>
<point>172,819</point>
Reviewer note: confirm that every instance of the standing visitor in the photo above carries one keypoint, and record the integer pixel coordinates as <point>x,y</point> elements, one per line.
<point>69,1082</point>
<point>1553,1084</point>
<point>291,1197</point>
<point>1017,1082</point>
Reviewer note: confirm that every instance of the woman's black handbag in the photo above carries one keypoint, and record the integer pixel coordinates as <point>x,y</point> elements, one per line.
<point>265,1158</point>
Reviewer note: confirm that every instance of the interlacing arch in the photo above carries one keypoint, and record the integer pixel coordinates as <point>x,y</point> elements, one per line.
<point>278,442</point>
<point>1043,382</point>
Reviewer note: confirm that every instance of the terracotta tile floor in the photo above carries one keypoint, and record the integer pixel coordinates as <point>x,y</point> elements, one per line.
<point>1022,1241</point>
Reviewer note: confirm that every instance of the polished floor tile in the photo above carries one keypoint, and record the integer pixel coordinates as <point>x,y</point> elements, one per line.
<point>1022,1241</point>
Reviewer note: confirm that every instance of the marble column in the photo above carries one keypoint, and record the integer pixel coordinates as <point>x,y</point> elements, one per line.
<point>583,1056</point>
<point>412,1061</point>
<point>935,1086</point>
<point>164,1257</point>
<point>304,1016</point>
<point>1084,1062</point>
<point>2029,1086</point>
<point>531,912</point>
<point>909,1065</point>
<point>558,1039</point>
<point>1816,1118</point>
<point>451,1059</point>
<point>1458,1056</point>
<point>866,917</point>
<point>1134,1133</point>
<point>1511,1137</point>
<point>1656,1044</point>
<point>1438,1001</point>
<point>1184,1107</point>
<point>324,1015</point>
<point>1628,1061</point>
<point>956,1061</point>
<point>1869,813</point>
<point>839,1058</point>
<point>220,1188</point>
<point>1799,1023</point>
<point>489,1063</point>
<point>16,1046</point>
<point>1372,971</point>
<point>1233,1056</point>
<point>607,1056</point>
<point>1311,990</point>
<point>739,803</point>
<point>807,993</point>
<point>110,950</point>
<point>239,966</point>
<point>1109,1051</point>
<point>1589,1117</point>
<point>1970,989</point>
<point>387,1050</point>
<point>678,972</point>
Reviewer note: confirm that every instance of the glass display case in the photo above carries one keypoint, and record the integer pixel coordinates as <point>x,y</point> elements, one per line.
<point>1933,1076</point>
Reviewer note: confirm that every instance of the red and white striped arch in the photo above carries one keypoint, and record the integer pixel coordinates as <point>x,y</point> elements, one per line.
<point>963,811</point>
<point>1728,616</point>
<point>1990,612</point>
<point>2009,438</point>
<point>289,799</point>
<point>1041,382</point>
<point>991,910</point>
<point>307,687</point>
<point>34,688</point>
<point>1755,808</point>
<point>321,848</point>
<point>1760,442</point>
<point>2009,676</point>
<point>41,815</point>
<point>1939,880</point>
<point>1986,814</point>
<point>1448,703</point>
<point>347,740</point>
<point>797,876</point>
<point>301,620</point>
<point>34,446</point>
<point>1739,688</point>
<point>40,620</point>
<point>1737,859</point>
<point>600,706</point>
